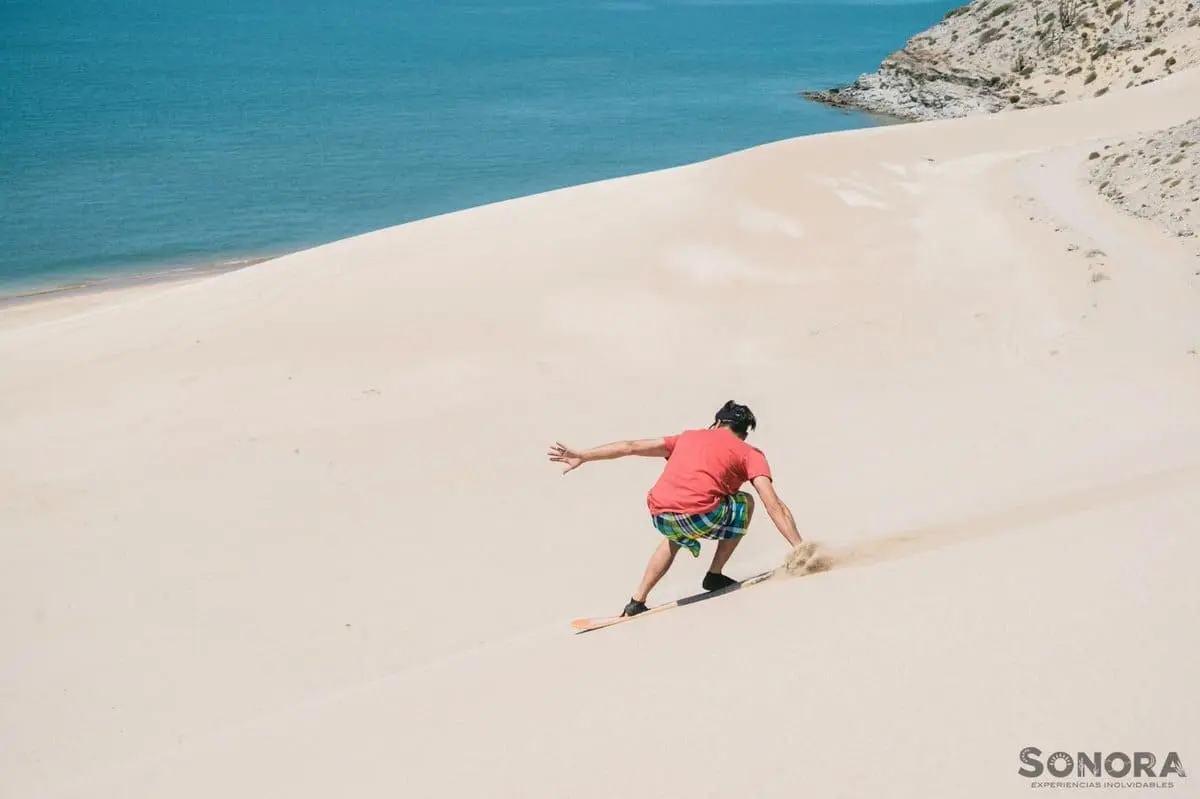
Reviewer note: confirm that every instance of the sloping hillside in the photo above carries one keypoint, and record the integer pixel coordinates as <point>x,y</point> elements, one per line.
<point>992,56</point>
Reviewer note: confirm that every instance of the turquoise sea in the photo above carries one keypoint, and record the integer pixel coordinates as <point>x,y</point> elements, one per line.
<point>139,135</point>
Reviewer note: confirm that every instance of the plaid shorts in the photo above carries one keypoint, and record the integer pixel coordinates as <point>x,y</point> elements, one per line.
<point>728,519</point>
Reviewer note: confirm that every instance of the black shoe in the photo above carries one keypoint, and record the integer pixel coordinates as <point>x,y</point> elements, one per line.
<point>714,582</point>
<point>634,608</point>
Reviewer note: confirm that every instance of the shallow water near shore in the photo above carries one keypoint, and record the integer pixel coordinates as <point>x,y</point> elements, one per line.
<point>148,135</point>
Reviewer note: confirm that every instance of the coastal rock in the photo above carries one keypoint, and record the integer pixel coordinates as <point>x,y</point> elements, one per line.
<point>991,56</point>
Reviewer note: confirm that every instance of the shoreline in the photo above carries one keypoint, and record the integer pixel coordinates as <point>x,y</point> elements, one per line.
<point>125,277</point>
<point>121,280</point>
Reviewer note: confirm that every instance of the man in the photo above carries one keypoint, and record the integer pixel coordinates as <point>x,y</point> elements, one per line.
<point>697,496</point>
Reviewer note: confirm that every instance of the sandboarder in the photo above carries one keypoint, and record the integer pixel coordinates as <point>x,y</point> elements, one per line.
<point>697,495</point>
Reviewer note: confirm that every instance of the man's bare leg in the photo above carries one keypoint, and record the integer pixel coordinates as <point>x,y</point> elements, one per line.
<point>725,548</point>
<point>660,561</point>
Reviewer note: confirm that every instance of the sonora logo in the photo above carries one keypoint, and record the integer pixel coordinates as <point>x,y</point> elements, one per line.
<point>1139,765</point>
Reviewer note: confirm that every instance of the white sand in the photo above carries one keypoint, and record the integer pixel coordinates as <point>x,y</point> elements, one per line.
<point>290,531</point>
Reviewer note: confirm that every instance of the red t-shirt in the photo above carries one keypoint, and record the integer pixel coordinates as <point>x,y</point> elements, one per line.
<point>703,466</point>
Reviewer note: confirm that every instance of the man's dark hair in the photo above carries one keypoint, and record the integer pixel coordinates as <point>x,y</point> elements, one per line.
<point>737,418</point>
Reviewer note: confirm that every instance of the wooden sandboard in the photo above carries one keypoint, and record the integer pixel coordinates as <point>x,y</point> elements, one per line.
<point>599,622</point>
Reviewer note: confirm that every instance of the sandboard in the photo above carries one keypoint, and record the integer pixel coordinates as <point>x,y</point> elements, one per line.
<point>599,622</point>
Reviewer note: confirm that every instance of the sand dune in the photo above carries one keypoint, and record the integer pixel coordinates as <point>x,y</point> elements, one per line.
<point>288,531</point>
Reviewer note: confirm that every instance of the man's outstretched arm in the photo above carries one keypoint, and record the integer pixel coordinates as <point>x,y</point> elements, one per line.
<point>646,447</point>
<point>779,512</point>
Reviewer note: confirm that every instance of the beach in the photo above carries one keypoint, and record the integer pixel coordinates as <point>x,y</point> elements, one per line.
<point>289,530</point>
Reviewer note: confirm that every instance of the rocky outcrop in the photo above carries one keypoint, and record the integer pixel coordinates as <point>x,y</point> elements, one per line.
<point>992,56</point>
<point>1156,177</point>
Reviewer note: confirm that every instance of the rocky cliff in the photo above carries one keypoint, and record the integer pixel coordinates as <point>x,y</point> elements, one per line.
<point>992,56</point>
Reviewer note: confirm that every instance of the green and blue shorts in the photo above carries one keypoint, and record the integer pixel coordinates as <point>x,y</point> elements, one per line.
<point>729,519</point>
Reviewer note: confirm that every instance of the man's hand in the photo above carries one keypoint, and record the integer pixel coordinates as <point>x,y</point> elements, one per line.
<point>560,453</point>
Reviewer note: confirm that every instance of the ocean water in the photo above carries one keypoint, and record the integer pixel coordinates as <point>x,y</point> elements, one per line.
<point>143,134</point>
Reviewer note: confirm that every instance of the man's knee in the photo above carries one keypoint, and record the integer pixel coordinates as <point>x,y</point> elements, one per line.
<point>749,499</point>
